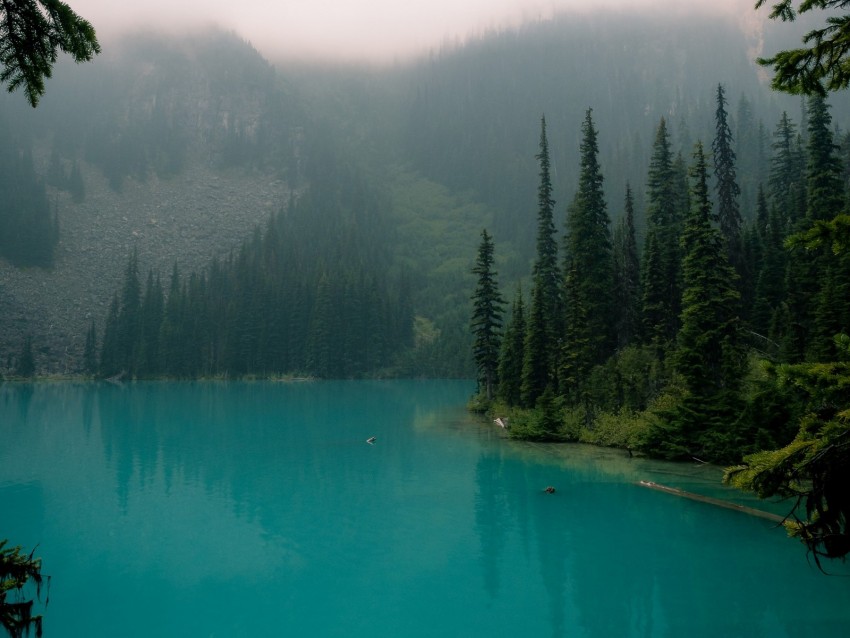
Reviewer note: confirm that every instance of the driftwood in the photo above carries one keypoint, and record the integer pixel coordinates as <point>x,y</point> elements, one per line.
<point>713,501</point>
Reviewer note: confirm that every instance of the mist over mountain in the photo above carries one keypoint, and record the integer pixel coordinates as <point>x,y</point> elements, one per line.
<point>184,146</point>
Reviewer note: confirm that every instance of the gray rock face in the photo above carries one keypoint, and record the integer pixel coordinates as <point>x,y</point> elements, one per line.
<point>205,207</point>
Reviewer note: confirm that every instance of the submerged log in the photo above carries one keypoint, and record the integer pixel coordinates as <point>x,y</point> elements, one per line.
<point>776,518</point>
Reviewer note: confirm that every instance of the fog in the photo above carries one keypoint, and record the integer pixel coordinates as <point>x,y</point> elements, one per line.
<point>365,30</point>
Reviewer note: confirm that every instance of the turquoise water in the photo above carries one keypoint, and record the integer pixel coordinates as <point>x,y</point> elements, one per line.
<point>258,509</point>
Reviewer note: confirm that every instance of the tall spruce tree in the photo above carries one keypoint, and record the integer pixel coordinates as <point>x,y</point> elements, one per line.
<point>660,277</point>
<point>786,181</point>
<point>110,362</point>
<point>626,276</point>
<point>709,357</point>
<point>127,326</point>
<point>150,326</point>
<point>90,350</point>
<point>824,192</point>
<point>588,249</point>
<point>543,320</point>
<point>25,366</point>
<point>486,322</point>
<point>728,191</point>
<point>809,275</point>
<point>511,355</point>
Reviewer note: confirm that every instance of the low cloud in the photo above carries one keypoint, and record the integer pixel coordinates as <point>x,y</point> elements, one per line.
<point>362,30</point>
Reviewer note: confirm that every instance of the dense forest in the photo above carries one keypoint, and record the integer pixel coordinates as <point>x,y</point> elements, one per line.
<point>313,293</point>
<point>684,347</point>
<point>446,145</point>
<point>29,228</point>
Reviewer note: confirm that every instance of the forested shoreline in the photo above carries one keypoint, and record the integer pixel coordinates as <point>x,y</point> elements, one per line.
<point>695,346</point>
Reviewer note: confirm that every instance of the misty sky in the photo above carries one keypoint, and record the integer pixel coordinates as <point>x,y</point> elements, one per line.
<point>363,30</point>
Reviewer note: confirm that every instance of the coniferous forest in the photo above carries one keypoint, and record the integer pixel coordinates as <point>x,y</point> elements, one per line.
<point>656,271</point>
<point>298,298</point>
<point>663,244</point>
<point>725,336</point>
<point>678,346</point>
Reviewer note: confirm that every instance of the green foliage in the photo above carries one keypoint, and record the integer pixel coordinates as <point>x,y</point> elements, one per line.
<point>26,362</point>
<point>511,355</point>
<point>626,276</point>
<point>728,211</point>
<point>814,468</point>
<point>486,321</point>
<point>540,350</point>
<point>622,429</point>
<point>33,32</point>
<point>90,350</point>
<point>708,356</point>
<point>822,65</point>
<point>661,276</point>
<point>589,265</point>
<point>16,570</point>
<point>29,230</point>
<point>311,294</point>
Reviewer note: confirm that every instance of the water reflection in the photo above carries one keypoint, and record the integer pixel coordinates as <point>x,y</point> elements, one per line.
<point>169,498</point>
<point>615,559</point>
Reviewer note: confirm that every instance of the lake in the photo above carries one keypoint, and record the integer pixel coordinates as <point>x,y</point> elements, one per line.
<point>259,509</point>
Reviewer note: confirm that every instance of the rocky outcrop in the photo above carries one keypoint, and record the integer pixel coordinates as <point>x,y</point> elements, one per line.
<point>217,109</point>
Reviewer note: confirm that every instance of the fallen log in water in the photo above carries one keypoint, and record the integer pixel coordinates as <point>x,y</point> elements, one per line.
<point>713,501</point>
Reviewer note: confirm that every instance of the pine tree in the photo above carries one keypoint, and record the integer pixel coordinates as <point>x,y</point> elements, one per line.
<point>660,278</point>
<point>26,361</point>
<point>709,357</point>
<point>150,326</point>
<point>588,247</point>
<point>807,274</point>
<point>824,193</point>
<point>728,191</point>
<point>172,362</point>
<point>110,362</point>
<point>626,276</point>
<point>90,350</point>
<point>486,322</point>
<point>576,362</point>
<point>543,321</point>
<point>787,173</point>
<point>127,326</point>
<point>511,355</point>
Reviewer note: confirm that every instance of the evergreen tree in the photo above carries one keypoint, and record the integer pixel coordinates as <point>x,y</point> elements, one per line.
<point>786,181</point>
<point>588,247</point>
<point>709,357</point>
<point>626,276</point>
<point>26,361</point>
<point>90,350</point>
<point>128,323</point>
<point>28,229</point>
<point>511,356</point>
<point>660,277</point>
<point>576,361</point>
<point>824,193</point>
<point>728,212</point>
<point>808,276</point>
<point>770,281</point>
<point>543,320</point>
<point>110,360</point>
<point>33,35</point>
<point>172,362</point>
<point>486,322</point>
<point>150,326</point>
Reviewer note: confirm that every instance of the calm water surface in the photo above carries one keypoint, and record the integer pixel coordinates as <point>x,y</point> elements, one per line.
<point>258,509</point>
